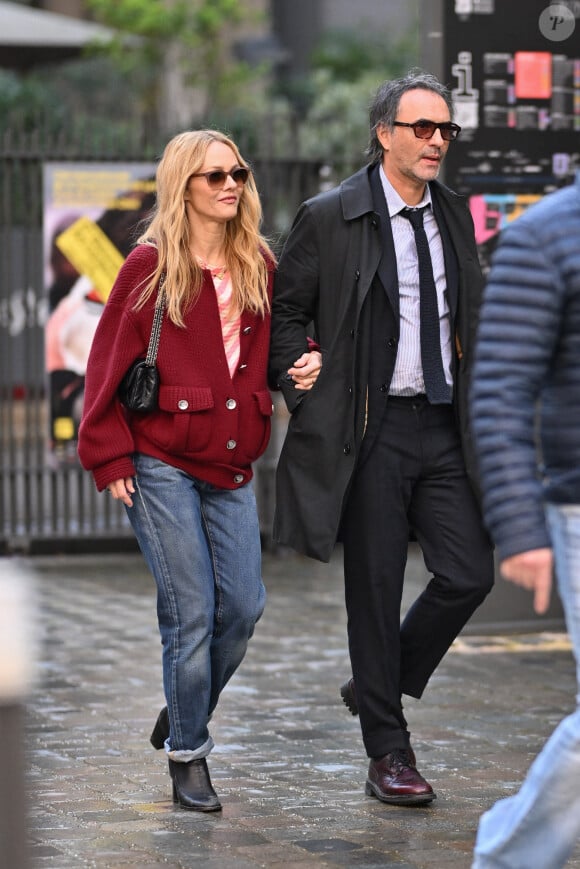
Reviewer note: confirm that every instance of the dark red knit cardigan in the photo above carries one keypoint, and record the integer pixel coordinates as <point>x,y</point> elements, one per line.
<point>209,424</point>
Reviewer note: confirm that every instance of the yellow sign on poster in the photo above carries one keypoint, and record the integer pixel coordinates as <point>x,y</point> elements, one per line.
<point>92,253</point>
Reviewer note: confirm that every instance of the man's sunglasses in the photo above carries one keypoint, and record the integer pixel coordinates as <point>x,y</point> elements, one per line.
<point>426,129</point>
<point>217,177</point>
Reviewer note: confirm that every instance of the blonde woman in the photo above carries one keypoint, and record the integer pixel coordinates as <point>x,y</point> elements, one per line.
<point>184,471</point>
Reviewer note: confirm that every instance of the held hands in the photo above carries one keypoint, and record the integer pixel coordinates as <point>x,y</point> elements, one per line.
<point>306,370</point>
<point>121,490</point>
<point>531,570</point>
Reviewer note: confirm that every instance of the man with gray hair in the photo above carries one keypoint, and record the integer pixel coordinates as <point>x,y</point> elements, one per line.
<point>382,274</point>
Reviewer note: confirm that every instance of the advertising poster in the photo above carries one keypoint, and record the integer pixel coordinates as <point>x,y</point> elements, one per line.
<point>92,213</point>
<point>514,69</point>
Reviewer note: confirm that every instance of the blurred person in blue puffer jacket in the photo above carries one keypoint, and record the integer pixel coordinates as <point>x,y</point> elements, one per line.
<point>525,408</point>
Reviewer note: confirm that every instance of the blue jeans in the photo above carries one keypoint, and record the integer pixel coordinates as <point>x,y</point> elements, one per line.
<point>539,826</point>
<point>202,545</point>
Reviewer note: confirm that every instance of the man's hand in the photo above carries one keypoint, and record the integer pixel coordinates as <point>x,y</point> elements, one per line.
<point>121,490</point>
<point>531,570</point>
<point>306,369</point>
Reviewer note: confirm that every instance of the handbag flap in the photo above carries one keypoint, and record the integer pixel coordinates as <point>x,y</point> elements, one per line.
<point>185,399</point>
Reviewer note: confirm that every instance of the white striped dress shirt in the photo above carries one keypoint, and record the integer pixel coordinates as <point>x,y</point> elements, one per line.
<point>408,374</point>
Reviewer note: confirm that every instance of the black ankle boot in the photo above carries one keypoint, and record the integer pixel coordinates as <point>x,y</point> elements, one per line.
<point>192,787</point>
<point>161,730</point>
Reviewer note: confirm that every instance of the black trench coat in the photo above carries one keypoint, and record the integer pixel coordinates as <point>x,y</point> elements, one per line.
<point>323,280</point>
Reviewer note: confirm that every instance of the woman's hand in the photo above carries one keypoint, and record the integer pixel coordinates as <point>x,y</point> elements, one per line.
<point>306,369</point>
<point>121,490</point>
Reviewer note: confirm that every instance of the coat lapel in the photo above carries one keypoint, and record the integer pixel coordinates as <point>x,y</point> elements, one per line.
<point>449,254</point>
<point>387,270</point>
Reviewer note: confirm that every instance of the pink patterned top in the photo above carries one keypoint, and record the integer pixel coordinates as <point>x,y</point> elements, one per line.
<point>230,325</point>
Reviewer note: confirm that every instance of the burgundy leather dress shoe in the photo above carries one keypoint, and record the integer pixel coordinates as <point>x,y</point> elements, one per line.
<point>348,695</point>
<point>395,779</point>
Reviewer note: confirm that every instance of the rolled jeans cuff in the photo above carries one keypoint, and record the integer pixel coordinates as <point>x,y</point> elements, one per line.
<point>185,755</point>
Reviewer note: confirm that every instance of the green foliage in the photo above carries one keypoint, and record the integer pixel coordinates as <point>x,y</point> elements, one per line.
<point>209,18</point>
<point>349,56</point>
<point>150,19</point>
<point>22,99</point>
<point>114,93</point>
<point>336,125</point>
<point>75,102</point>
<point>147,29</point>
<point>347,70</point>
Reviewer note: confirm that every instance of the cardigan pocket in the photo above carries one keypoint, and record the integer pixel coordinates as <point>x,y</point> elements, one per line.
<point>184,421</point>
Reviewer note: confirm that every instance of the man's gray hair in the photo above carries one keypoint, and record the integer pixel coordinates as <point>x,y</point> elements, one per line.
<point>385,105</point>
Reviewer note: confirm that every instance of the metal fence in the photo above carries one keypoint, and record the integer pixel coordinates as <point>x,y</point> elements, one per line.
<point>47,502</point>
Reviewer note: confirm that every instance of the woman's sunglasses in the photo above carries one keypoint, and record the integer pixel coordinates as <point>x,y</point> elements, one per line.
<point>217,177</point>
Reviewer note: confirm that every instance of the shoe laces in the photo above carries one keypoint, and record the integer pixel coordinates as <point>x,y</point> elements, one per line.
<point>400,757</point>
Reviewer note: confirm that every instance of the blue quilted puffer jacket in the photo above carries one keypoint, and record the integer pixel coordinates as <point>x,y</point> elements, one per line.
<point>528,357</point>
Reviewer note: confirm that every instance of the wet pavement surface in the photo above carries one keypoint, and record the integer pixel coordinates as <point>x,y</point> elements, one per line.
<point>289,765</point>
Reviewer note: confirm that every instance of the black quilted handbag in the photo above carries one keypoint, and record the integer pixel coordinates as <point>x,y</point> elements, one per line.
<point>139,388</point>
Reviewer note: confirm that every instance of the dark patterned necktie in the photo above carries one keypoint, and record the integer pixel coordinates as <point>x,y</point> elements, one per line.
<point>437,389</point>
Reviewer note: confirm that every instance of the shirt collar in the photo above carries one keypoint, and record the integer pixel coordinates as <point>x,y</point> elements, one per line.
<point>394,202</point>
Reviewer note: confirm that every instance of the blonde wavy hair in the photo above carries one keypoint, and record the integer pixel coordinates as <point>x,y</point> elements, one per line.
<point>169,231</point>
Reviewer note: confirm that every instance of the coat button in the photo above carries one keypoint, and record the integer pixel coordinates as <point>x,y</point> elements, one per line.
<point>383,387</point>
<point>231,404</point>
<point>392,342</point>
<point>231,445</point>
<point>346,449</point>
<point>242,366</point>
<point>247,330</point>
<point>357,275</point>
<point>238,478</point>
<point>183,404</point>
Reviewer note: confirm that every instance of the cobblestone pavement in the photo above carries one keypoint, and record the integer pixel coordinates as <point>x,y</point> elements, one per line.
<point>288,765</point>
